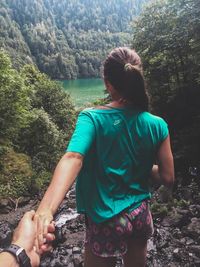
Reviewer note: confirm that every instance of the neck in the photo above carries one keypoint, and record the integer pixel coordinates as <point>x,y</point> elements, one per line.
<point>119,103</point>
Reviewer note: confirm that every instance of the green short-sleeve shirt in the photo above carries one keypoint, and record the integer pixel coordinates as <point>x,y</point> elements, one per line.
<point>119,148</point>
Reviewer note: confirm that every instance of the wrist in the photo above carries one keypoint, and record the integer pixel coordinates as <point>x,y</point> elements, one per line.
<point>44,211</point>
<point>7,259</point>
<point>21,245</point>
<point>20,255</point>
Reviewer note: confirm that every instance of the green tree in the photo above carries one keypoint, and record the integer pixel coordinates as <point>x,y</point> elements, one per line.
<point>36,121</point>
<point>52,118</point>
<point>14,100</point>
<point>64,39</point>
<point>166,36</point>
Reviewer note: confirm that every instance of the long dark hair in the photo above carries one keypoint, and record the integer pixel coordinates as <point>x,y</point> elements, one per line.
<point>123,69</point>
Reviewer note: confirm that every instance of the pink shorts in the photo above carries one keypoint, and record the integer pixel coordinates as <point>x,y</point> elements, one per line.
<point>110,238</point>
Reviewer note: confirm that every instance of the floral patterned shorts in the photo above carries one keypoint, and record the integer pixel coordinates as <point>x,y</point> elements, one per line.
<point>110,238</point>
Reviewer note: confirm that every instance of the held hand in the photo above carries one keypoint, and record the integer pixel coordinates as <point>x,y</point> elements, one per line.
<point>44,228</point>
<point>50,237</point>
<point>155,177</point>
<point>25,235</point>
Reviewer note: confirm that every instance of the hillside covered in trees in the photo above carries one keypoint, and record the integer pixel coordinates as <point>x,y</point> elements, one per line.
<point>167,36</point>
<point>36,121</point>
<point>65,39</point>
<point>35,110</point>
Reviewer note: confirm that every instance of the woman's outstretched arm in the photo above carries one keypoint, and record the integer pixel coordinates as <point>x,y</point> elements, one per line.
<point>163,173</point>
<point>64,176</point>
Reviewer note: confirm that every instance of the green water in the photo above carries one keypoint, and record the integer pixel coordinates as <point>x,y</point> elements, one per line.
<point>84,91</point>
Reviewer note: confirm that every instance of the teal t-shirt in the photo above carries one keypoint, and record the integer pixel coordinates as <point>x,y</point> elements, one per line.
<point>119,148</point>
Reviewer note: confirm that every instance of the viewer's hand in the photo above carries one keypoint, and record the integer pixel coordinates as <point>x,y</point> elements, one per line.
<point>25,235</point>
<point>45,228</point>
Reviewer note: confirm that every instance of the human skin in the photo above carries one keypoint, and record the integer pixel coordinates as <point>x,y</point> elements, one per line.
<point>64,176</point>
<point>24,236</point>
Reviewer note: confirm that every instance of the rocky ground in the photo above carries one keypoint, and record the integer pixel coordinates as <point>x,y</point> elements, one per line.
<point>176,240</point>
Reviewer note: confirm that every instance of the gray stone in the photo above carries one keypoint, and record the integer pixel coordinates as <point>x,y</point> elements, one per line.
<point>189,241</point>
<point>195,249</point>
<point>176,218</point>
<point>193,229</point>
<point>187,193</point>
<point>23,201</point>
<point>4,206</point>
<point>176,251</point>
<point>5,234</point>
<point>76,250</point>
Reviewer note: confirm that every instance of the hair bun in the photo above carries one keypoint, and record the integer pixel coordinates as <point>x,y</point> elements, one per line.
<point>128,67</point>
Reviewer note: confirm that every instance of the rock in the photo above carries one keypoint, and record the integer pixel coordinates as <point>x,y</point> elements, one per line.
<point>175,243</point>
<point>195,250</point>
<point>177,233</point>
<point>23,201</point>
<point>193,229</point>
<point>177,218</point>
<point>151,246</point>
<point>4,203</point>
<point>5,234</point>
<point>4,206</point>
<point>195,210</point>
<point>176,251</point>
<point>187,193</point>
<point>77,262</point>
<point>189,241</point>
<point>76,250</point>
<point>182,241</point>
<point>164,194</point>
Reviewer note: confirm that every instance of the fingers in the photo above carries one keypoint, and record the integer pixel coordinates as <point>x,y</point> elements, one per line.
<point>46,248</point>
<point>36,221</point>
<point>45,235</point>
<point>51,227</point>
<point>45,227</point>
<point>40,230</point>
<point>50,237</point>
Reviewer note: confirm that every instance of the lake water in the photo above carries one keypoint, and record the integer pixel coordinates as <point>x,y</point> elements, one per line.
<point>84,91</point>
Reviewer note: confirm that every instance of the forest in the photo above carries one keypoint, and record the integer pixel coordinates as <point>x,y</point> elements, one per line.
<point>36,122</point>
<point>35,110</point>
<point>166,35</point>
<point>45,40</point>
<point>65,39</point>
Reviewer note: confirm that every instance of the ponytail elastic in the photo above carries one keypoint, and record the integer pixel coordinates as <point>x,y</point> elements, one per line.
<point>128,67</point>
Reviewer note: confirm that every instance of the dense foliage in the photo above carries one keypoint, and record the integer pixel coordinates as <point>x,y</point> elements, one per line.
<point>69,39</point>
<point>36,121</point>
<point>167,37</point>
<point>66,39</point>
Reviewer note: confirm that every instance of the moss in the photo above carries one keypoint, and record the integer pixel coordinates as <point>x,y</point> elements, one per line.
<point>16,173</point>
<point>159,209</point>
<point>41,181</point>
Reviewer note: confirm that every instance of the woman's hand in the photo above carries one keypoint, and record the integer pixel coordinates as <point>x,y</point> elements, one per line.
<point>50,237</point>
<point>44,226</point>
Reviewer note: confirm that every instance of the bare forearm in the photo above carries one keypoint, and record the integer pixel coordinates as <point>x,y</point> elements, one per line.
<point>64,176</point>
<point>6,259</point>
